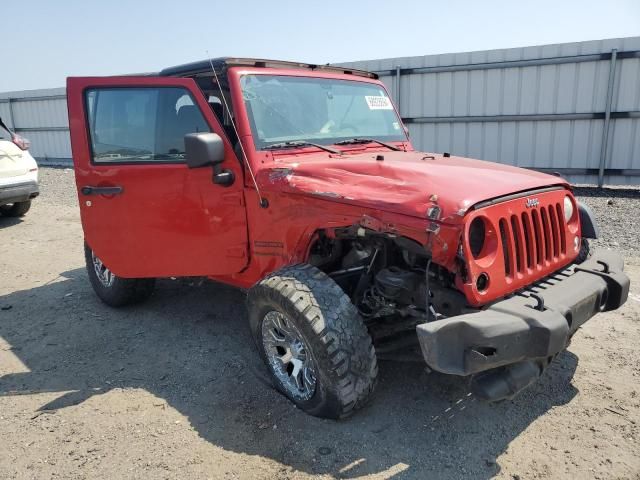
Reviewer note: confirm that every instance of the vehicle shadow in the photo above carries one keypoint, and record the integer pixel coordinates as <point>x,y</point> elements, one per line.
<point>191,346</point>
<point>6,222</point>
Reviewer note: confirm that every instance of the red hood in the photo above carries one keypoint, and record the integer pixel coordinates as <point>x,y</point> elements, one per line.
<point>404,182</point>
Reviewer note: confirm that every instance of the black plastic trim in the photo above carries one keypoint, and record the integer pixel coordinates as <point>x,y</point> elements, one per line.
<point>18,193</point>
<point>511,196</point>
<point>588,223</point>
<point>88,190</point>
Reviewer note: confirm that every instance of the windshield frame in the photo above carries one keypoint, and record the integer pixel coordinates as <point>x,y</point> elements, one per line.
<point>236,75</point>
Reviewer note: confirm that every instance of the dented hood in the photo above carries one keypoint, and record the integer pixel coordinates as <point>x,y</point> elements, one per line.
<point>403,182</point>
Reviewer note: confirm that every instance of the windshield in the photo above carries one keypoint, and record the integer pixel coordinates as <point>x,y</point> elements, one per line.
<point>321,110</point>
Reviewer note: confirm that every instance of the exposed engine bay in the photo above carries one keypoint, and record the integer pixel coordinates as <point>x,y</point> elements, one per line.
<point>387,278</point>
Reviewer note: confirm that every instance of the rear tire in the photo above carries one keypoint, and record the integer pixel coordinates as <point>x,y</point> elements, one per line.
<point>113,290</point>
<point>17,209</point>
<point>299,314</point>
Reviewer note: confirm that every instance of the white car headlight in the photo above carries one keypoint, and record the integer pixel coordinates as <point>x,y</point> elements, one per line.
<point>568,209</point>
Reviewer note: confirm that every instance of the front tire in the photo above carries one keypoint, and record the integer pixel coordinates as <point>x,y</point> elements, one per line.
<point>113,290</point>
<point>313,341</point>
<point>585,251</point>
<point>17,209</point>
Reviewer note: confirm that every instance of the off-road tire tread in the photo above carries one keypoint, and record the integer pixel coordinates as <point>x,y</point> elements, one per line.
<point>345,345</point>
<point>124,291</point>
<point>585,251</point>
<point>18,209</point>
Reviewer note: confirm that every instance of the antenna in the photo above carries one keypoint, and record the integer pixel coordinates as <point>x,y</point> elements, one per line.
<point>263,201</point>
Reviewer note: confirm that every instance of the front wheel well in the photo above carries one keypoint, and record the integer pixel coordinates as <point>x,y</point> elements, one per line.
<point>384,274</point>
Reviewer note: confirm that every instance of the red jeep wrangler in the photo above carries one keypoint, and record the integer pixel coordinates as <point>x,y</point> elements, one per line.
<point>299,183</point>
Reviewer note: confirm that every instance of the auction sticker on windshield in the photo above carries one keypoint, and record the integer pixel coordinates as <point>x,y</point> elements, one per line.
<point>378,102</point>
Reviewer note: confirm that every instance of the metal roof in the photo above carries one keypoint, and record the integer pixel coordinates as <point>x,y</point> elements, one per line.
<point>204,66</point>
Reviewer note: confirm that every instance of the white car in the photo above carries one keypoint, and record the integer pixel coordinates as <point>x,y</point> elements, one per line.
<point>18,174</point>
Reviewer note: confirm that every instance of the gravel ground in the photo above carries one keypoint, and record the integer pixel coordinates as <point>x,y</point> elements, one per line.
<point>618,213</point>
<point>174,388</point>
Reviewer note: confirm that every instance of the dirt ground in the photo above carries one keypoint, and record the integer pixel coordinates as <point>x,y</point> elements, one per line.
<point>174,388</point>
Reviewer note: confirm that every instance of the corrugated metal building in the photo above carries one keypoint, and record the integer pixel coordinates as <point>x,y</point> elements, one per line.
<point>41,116</point>
<point>572,108</point>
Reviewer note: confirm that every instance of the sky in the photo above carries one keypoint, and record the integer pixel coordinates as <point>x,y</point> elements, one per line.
<point>44,41</point>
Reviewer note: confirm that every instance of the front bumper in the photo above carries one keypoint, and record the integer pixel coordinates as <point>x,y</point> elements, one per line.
<point>523,332</point>
<point>18,193</point>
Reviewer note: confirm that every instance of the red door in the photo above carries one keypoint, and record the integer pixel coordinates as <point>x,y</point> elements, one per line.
<point>144,212</point>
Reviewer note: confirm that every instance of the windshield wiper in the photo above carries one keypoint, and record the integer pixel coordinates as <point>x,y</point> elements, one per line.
<point>301,143</point>
<point>354,141</point>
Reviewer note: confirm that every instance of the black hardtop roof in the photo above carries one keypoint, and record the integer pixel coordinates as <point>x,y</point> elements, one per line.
<point>220,63</point>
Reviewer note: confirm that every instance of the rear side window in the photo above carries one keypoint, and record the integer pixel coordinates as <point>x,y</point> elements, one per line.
<point>129,125</point>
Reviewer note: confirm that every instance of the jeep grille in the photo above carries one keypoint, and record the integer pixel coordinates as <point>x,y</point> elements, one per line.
<point>526,239</point>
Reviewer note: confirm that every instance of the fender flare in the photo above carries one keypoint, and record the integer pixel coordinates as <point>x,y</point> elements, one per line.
<point>588,223</point>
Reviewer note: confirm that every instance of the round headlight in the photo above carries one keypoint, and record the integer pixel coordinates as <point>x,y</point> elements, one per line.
<point>568,209</point>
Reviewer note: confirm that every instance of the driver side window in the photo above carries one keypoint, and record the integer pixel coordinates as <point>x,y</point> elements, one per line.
<point>140,125</point>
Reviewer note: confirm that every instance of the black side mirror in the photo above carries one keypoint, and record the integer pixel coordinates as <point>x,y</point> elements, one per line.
<point>203,149</point>
<point>207,149</point>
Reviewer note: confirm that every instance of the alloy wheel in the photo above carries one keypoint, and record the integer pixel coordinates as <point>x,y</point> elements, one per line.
<point>288,356</point>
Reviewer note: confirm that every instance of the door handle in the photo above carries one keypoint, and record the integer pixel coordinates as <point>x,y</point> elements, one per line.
<point>224,178</point>
<point>88,190</point>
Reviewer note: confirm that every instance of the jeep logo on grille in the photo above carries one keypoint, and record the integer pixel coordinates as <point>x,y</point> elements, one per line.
<point>532,202</point>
